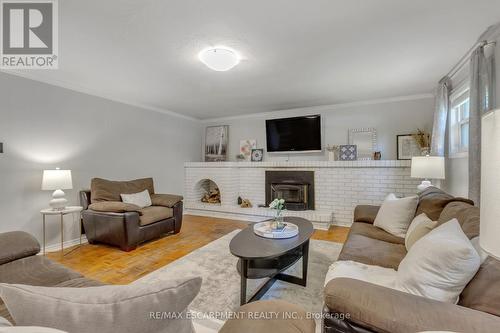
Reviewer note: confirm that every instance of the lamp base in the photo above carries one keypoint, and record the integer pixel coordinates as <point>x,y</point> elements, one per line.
<point>425,184</point>
<point>58,201</point>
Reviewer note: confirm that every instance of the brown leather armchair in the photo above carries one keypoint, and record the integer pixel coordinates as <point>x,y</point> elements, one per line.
<point>108,220</point>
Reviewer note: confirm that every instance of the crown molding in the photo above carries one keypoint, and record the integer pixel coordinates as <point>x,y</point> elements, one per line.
<point>92,92</point>
<point>322,108</point>
<point>306,110</point>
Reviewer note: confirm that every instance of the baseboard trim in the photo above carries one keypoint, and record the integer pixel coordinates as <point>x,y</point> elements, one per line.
<point>66,244</point>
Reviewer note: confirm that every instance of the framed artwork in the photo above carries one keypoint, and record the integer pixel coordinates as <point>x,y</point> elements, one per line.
<point>246,147</point>
<point>348,152</point>
<point>407,147</point>
<point>216,139</point>
<point>257,155</point>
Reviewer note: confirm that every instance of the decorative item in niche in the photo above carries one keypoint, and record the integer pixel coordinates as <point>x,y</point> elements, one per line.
<point>377,156</point>
<point>333,152</point>
<point>348,152</point>
<point>246,147</point>
<point>257,155</point>
<point>407,147</point>
<point>365,139</point>
<point>216,138</point>
<point>423,140</point>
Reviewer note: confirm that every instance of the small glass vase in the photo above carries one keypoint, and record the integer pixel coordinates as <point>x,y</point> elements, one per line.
<point>278,222</point>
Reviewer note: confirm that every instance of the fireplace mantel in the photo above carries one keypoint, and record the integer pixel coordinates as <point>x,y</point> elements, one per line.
<point>339,187</point>
<point>303,164</point>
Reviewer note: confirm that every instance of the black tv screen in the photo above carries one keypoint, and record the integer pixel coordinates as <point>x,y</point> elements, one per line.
<point>294,134</point>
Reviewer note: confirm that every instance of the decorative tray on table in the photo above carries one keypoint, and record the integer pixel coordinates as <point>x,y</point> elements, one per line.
<point>264,229</point>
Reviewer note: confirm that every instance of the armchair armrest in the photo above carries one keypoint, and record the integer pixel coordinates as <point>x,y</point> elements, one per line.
<point>387,310</point>
<point>16,245</point>
<point>166,200</point>
<point>365,213</point>
<point>114,207</point>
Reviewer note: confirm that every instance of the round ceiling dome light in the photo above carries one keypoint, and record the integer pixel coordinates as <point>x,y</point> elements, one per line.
<point>219,59</point>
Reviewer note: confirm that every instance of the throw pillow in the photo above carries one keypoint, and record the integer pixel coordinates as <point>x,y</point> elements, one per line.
<point>395,214</point>
<point>141,199</point>
<point>439,265</point>
<point>483,255</point>
<point>137,307</point>
<point>419,227</point>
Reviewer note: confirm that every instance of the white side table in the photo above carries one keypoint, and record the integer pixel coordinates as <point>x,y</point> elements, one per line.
<point>68,210</point>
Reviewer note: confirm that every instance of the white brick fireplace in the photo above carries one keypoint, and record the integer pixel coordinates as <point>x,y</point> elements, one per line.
<point>339,187</point>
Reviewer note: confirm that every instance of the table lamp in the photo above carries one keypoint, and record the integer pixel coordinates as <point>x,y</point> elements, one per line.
<point>57,181</point>
<point>427,167</point>
<point>490,184</point>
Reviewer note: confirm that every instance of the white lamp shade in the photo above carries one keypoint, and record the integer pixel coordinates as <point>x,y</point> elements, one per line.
<point>57,180</point>
<point>428,167</point>
<point>490,184</point>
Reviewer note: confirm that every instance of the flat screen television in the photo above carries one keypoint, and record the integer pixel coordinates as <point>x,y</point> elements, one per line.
<point>297,134</point>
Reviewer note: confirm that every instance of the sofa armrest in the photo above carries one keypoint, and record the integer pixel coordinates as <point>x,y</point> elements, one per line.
<point>387,310</point>
<point>16,245</point>
<point>120,229</point>
<point>165,200</point>
<point>365,213</point>
<point>114,207</point>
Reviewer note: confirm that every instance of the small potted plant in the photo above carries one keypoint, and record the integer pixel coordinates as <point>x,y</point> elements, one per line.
<point>279,206</point>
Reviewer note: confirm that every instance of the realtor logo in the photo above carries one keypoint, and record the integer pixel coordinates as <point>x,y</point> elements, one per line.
<point>29,38</point>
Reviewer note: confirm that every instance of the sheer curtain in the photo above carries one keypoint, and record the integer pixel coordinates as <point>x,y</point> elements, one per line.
<point>440,117</point>
<point>482,99</point>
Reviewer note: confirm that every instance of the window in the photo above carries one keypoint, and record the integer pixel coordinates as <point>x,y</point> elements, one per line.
<point>459,124</point>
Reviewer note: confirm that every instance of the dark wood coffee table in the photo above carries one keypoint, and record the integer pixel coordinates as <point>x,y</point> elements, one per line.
<point>261,257</point>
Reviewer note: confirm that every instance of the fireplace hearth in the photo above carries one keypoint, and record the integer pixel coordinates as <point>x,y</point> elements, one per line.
<point>296,187</point>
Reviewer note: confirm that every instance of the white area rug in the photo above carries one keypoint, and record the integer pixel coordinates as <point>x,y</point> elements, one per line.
<point>220,290</point>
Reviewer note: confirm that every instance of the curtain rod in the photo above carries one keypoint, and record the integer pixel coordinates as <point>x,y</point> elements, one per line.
<point>466,57</point>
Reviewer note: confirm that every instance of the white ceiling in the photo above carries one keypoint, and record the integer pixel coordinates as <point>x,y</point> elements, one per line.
<point>296,53</point>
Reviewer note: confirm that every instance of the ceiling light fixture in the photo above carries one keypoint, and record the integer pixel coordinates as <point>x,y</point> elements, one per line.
<point>219,59</point>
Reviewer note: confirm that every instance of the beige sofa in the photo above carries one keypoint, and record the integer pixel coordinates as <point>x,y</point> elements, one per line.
<point>356,306</point>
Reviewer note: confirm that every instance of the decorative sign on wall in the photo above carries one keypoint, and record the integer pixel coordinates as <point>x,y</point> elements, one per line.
<point>246,147</point>
<point>348,153</point>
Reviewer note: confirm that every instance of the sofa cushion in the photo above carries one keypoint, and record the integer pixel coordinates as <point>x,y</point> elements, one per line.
<point>439,265</point>
<point>154,214</point>
<point>419,227</point>
<point>281,322</point>
<point>483,291</point>
<point>433,200</point>
<point>395,214</point>
<point>372,251</point>
<point>16,245</point>
<point>34,270</point>
<point>114,207</point>
<point>369,230</point>
<point>141,199</point>
<point>382,309</point>
<point>466,214</point>
<point>126,308</point>
<point>109,190</point>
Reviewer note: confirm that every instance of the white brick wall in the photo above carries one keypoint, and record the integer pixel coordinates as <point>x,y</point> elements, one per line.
<point>339,186</point>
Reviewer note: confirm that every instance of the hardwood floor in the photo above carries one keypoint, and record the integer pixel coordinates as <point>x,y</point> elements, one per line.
<point>113,266</point>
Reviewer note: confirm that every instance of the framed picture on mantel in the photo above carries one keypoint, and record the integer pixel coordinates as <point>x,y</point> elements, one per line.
<point>407,147</point>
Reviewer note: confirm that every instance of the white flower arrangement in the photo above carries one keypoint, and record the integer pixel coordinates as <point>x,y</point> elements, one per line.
<point>278,204</point>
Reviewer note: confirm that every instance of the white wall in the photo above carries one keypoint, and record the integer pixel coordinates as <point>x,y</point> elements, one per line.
<point>389,119</point>
<point>43,127</point>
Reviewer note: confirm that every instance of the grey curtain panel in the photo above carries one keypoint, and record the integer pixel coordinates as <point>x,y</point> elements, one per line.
<point>440,117</point>
<point>482,99</point>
